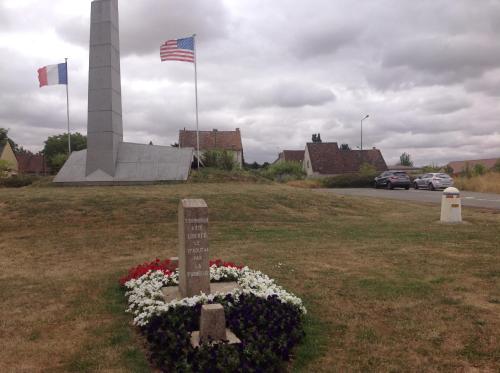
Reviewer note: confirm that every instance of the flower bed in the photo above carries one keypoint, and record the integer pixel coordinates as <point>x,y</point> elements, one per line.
<point>265,317</point>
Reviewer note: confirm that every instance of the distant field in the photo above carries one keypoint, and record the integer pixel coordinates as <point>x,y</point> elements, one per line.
<point>387,288</point>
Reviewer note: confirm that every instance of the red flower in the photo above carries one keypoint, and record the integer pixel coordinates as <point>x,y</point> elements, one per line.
<point>167,267</point>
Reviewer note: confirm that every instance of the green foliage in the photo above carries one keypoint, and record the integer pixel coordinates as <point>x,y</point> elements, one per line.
<point>348,181</point>
<point>479,169</point>
<point>448,169</point>
<point>15,147</point>
<point>214,175</point>
<point>267,328</point>
<point>5,167</point>
<point>284,171</point>
<point>405,160</point>
<point>316,137</point>
<point>18,181</point>
<point>58,144</point>
<point>221,159</point>
<point>367,169</point>
<point>57,161</point>
<point>3,135</point>
<point>496,167</point>
<point>253,166</point>
<point>431,168</point>
<point>467,171</point>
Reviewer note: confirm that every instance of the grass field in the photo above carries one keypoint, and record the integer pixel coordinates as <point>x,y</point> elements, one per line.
<point>487,183</point>
<point>387,287</point>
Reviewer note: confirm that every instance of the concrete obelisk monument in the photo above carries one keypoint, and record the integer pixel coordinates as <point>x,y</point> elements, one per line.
<point>108,160</point>
<point>104,128</point>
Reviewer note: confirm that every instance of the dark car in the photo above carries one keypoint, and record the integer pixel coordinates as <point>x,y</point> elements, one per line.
<point>393,179</point>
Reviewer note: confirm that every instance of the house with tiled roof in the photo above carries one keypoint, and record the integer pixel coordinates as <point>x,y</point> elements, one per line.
<point>326,159</point>
<point>214,140</point>
<point>7,155</point>
<point>290,156</point>
<point>32,164</point>
<point>459,166</point>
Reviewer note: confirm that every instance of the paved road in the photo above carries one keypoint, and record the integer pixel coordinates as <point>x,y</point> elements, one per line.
<point>470,199</point>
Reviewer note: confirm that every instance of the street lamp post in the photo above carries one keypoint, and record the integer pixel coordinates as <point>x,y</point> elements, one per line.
<point>366,117</point>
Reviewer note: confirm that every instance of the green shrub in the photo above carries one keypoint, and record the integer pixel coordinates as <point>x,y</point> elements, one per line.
<point>368,169</point>
<point>284,171</point>
<point>479,169</point>
<point>215,175</point>
<point>18,181</point>
<point>221,159</point>
<point>267,328</point>
<point>5,167</point>
<point>57,161</point>
<point>431,168</point>
<point>496,167</point>
<point>348,181</point>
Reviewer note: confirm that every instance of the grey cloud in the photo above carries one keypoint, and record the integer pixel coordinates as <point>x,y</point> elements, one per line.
<point>289,95</point>
<point>145,24</point>
<point>446,104</point>
<point>488,84</point>
<point>320,42</point>
<point>449,56</point>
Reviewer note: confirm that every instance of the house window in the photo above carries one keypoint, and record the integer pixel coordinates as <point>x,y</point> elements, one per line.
<point>307,164</point>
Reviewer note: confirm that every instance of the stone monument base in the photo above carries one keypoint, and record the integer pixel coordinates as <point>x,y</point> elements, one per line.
<point>231,338</point>
<point>135,164</point>
<point>171,293</point>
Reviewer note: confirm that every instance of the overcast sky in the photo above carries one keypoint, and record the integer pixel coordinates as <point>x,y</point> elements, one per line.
<point>427,72</point>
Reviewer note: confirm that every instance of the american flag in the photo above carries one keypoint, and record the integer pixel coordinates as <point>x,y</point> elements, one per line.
<point>178,50</point>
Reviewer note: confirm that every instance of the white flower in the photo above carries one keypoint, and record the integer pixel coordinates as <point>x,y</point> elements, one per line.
<point>145,298</point>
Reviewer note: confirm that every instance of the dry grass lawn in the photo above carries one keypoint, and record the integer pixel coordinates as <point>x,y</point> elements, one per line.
<point>387,288</point>
<point>487,183</point>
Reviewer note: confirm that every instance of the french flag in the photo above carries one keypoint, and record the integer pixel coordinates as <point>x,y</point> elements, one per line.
<point>53,74</point>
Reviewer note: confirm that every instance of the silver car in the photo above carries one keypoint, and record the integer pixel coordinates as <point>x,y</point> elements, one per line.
<point>433,181</point>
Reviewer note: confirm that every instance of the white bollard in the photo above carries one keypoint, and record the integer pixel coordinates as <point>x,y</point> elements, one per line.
<point>451,206</point>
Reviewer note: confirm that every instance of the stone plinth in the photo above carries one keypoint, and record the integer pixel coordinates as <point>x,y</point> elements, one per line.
<point>194,270</point>
<point>212,327</point>
<point>212,323</point>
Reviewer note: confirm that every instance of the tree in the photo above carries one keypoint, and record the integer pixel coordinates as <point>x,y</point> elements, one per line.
<point>58,144</point>
<point>448,169</point>
<point>3,135</point>
<point>345,147</point>
<point>316,138</point>
<point>479,169</point>
<point>496,167</point>
<point>467,171</point>
<point>57,161</point>
<point>15,147</point>
<point>405,160</point>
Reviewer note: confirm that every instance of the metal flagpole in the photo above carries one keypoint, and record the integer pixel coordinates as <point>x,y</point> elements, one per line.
<point>196,98</point>
<point>67,107</point>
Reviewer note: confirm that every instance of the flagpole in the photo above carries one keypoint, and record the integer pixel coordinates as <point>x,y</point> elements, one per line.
<point>67,107</point>
<point>196,99</point>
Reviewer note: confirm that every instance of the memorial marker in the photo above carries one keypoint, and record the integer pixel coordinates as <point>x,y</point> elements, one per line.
<point>194,270</point>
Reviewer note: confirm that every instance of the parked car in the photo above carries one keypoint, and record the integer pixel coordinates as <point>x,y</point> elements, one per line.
<point>433,181</point>
<point>393,179</point>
